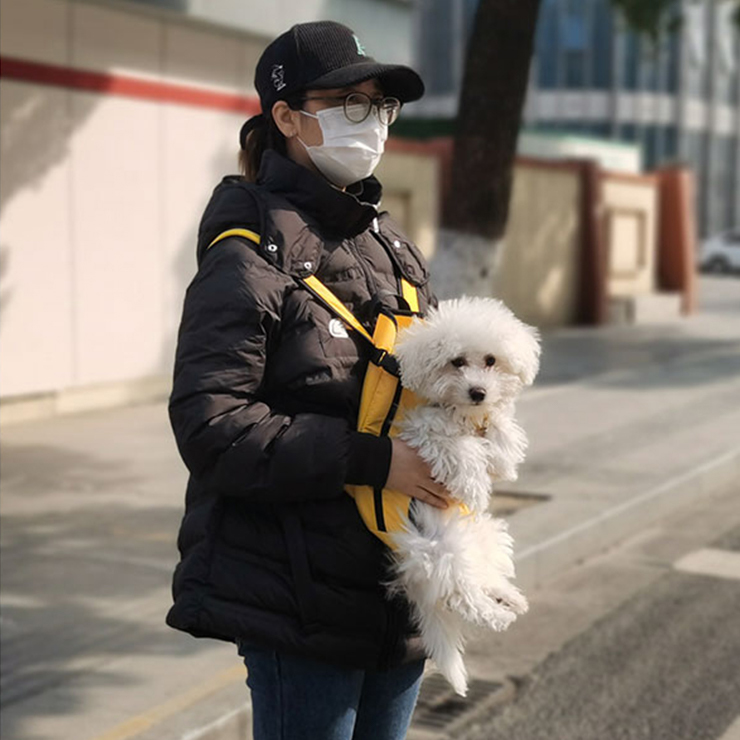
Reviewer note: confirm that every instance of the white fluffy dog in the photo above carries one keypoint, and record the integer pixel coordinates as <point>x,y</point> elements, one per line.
<point>467,361</point>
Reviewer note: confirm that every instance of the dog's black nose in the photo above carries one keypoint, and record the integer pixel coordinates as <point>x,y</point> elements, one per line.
<point>476,394</point>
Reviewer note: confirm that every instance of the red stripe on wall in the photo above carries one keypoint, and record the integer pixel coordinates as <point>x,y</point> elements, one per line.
<point>129,87</point>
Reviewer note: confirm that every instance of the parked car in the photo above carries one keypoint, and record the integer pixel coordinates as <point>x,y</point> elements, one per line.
<point>721,253</point>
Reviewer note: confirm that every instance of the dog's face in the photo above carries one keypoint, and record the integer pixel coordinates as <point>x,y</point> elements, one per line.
<point>470,378</point>
<point>469,353</point>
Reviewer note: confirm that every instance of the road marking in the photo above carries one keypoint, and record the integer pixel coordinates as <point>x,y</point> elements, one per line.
<point>136,725</point>
<point>219,724</point>
<point>711,562</point>
<point>733,731</point>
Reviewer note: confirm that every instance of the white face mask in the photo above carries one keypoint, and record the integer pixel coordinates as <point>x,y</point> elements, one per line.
<point>351,151</point>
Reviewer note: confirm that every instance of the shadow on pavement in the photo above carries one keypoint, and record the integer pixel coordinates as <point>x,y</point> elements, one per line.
<point>86,564</point>
<point>567,358</point>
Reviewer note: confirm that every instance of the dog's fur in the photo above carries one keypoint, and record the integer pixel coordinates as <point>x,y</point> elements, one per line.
<point>467,361</point>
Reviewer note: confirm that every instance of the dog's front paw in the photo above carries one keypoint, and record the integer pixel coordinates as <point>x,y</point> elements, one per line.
<point>457,603</point>
<point>513,600</point>
<point>502,469</point>
<point>485,609</point>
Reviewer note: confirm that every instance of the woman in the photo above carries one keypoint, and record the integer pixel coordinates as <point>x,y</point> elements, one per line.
<point>274,555</point>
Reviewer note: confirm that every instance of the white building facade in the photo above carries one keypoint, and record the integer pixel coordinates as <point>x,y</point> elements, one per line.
<point>117,121</point>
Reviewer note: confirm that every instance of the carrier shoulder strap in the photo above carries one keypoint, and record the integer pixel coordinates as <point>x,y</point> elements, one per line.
<point>410,294</point>
<point>251,235</point>
<point>323,293</point>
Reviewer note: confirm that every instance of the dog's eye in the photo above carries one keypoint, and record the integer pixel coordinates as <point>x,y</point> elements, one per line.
<point>490,360</point>
<point>459,362</point>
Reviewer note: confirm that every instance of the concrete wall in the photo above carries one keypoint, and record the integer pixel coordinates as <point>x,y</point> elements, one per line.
<point>629,207</point>
<point>540,272</point>
<point>537,271</point>
<point>580,241</point>
<point>411,184</point>
<point>677,235</point>
<point>104,178</point>
<point>537,275</point>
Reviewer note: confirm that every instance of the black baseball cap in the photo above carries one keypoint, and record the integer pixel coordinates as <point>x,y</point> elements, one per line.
<point>323,55</point>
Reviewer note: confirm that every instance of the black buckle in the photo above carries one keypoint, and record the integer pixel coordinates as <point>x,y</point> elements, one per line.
<point>379,304</point>
<point>391,304</point>
<point>387,361</point>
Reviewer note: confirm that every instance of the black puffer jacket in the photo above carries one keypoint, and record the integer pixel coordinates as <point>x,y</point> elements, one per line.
<point>264,404</point>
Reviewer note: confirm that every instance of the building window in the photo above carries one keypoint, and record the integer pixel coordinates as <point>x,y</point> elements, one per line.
<point>439,47</point>
<point>572,127</point>
<point>696,147</point>
<point>696,38</point>
<point>722,184</point>
<point>546,45</point>
<point>631,76</point>
<point>732,220</point>
<point>651,147</point>
<point>732,213</point>
<point>601,130</point>
<point>724,76</point>
<point>470,8</point>
<point>695,23</point>
<point>670,142</point>
<point>735,75</point>
<point>673,62</point>
<point>574,43</point>
<point>651,62</point>
<point>603,35</point>
<point>627,132</point>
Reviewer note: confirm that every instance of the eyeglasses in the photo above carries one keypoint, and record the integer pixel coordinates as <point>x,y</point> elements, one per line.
<point>357,107</point>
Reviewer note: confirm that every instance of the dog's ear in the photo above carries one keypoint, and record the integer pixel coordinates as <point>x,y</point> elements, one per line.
<point>419,350</point>
<point>528,350</point>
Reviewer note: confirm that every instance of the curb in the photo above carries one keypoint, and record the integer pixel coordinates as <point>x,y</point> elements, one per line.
<point>537,563</point>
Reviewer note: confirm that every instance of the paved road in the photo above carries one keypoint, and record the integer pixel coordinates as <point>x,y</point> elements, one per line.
<point>663,665</point>
<point>719,293</point>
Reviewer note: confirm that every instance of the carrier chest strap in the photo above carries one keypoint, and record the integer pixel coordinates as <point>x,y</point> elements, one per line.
<point>327,297</point>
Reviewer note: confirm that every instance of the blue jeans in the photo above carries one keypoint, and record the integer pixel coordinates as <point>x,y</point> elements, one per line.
<point>301,699</point>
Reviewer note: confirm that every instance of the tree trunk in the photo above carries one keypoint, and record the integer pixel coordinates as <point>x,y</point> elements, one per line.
<point>489,115</point>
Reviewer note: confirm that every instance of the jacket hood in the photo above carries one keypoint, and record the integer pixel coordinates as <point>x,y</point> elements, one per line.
<point>232,205</point>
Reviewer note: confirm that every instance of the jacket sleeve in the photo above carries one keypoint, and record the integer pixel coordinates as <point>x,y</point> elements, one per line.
<point>225,434</point>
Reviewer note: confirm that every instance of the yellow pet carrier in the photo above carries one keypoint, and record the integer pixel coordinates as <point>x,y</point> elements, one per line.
<point>383,401</point>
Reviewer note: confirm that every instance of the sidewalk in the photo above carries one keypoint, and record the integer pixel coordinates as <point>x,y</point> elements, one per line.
<point>625,425</point>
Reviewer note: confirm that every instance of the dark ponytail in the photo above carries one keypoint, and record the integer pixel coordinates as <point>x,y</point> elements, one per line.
<point>259,134</point>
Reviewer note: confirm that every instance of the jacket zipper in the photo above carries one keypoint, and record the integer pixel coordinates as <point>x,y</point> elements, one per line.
<point>365,269</point>
<point>398,272</point>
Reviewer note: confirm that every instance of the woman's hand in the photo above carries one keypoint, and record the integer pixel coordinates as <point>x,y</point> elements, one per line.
<point>411,475</point>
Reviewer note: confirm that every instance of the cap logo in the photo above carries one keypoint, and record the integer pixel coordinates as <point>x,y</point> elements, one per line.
<point>360,47</point>
<point>278,76</point>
